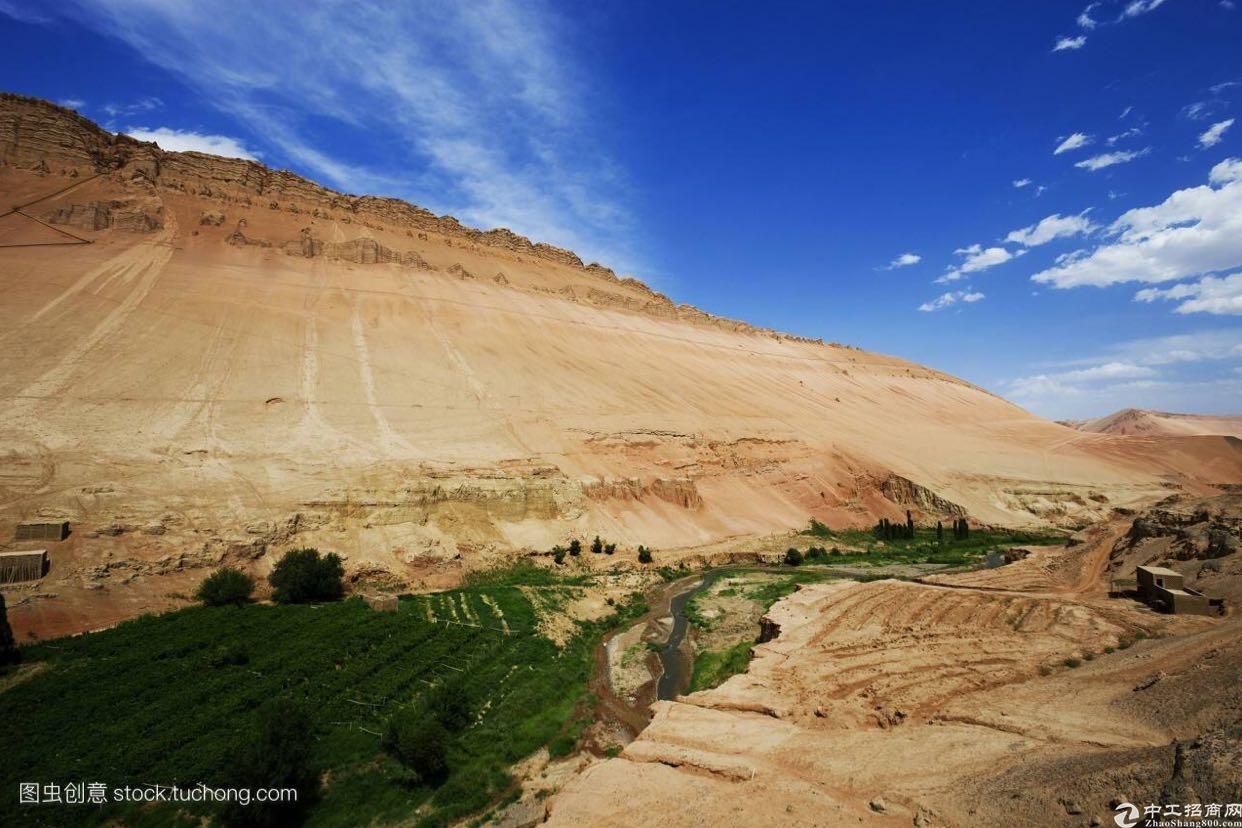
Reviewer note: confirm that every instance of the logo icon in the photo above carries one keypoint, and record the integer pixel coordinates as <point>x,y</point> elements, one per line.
<point>1127,815</point>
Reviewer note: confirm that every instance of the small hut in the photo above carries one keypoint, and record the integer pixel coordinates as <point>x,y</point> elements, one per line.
<point>56,530</point>
<point>381,603</point>
<point>15,567</point>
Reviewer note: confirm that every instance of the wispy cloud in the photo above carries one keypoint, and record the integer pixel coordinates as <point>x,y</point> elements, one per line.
<point>1052,227</point>
<point>1194,232</point>
<point>1021,182</point>
<point>1219,296</point>
<point>181,140</point>
<point>1139,7</point>
<point>72,103</point>
<point>478,109</point>
<point>976,258</point>
<point>1214,134</point>
<point>949,298</point>
<point>124,110</point>
<point>1085,20</point>
<point>1132,132</point>
<point>1109,159</point>
<point>904,260</point>
<point>1073,142</point>
<point>1067,43</point>
<point>1202,110</point>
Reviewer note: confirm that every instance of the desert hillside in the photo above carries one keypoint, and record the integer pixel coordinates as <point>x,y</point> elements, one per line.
<point>240,360</point>
<point>1143,423</point>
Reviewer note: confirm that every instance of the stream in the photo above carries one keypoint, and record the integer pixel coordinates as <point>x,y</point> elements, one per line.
<point>676,660</point>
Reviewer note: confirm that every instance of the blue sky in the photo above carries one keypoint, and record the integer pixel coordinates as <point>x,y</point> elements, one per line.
<point>1038,197</point>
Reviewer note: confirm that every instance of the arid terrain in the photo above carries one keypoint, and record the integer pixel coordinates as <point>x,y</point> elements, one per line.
<point>1143,423</point>
<point>1017,695</point>
<point>241,361</point>
<point>208,362</point>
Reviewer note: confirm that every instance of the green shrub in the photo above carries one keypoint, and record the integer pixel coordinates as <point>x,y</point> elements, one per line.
<point>793,557</point>
<point>1045,670</point>
<point>450,707</point>
<point>1073,662</point>
<point>420,742</point>
<point>558,554</point>
<point>1124,644</point>
<point>302,576</point>
<point>276,754</point>
<point>225,586</point>
<point>229,655</point>
<point>597,545</point>
<point>575,547</point>
<point>1110,649</point>
<point>644,555</point>
<point>9,654</point>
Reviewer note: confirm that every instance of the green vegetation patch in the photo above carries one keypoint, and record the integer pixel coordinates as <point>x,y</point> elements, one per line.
<point>861,546</point>
<point>164,699</point>
<point>713,667</point>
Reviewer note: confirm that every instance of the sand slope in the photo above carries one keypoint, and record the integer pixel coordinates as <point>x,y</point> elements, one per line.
<point>1142,422</point>
<point>242,361</point>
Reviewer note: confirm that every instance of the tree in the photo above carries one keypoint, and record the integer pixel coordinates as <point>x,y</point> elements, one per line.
<point>9,654</point>
<point>597,545</point>
<point>909,525</point>
<point>302,576</point>
<point>558,554</point>
<point>420,742</point>
<point>644,555</point>
<point>610,548</point>
<point>940,533</point>
<point>276,754</point>
<point>793,557</point>
<point>225,586</point>
<point>450,707</point>
<point>575,547</point>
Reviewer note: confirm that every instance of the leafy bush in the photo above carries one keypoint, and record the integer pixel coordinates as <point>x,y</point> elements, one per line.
<point>558,554</point>
<point>818,529</point>
<point>597,545</point>
<point>276,755</point>
<point>644,555</point>
<point>610,548</point>
<point>793,557</point>
<point>225,586</point>
<point>420,742</point>
<point>229,655</point>
<point>575,547</point>
<point>450,707</point>
<point>1073,662</point>
<point>9,654</point>
<point>302,576</point>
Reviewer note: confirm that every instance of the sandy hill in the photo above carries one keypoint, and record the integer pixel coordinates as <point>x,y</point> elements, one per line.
<point>1145,423</point>
<point>240,360</point>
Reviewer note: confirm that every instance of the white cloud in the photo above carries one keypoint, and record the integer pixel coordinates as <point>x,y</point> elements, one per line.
<point>1021,182</point>
<point>1194,232</point>
<point>1065,43</point>
<point>1219,296</point>
<point>1125,112</point>
<point>1085,20</point>
<point>1202,110</point>
<point>1137,7</point>
<point>1170,373</point>
<point>1132,132</point>
<point>71,103</point>
<point>133,107</point>
<point>182,140</point>
<point>1052,227</point>
<point>1214,133</point>
<point>483,110</point>
<point>1073,142</point>
<point>905,260</point>
<point>977,258</point>
<point>1108,159</point>
<point>952,297</point>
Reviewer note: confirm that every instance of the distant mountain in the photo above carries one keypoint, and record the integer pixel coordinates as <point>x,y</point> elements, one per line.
<point>1141,422</point>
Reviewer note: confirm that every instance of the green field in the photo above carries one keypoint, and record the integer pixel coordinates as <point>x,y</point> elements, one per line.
<point>924,547</point>
<point>161,699</point>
